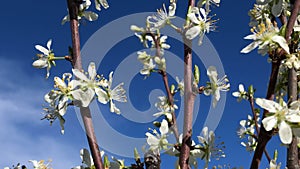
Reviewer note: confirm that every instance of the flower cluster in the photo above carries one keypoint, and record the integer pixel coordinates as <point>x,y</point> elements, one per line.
<point>81,92</point>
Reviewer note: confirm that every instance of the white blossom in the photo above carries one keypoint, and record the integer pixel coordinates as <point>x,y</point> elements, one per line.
<point>250,144</point>
<point>99,3</point>
<point>83,13</point>
<point>164,108</point>
<point>46,59</point>
<point>215,85</point>
<point>200,24</point>
<point>40,164</point>
<point>158,141</point>
<point>241,94</point>
<point>266,37</point>
<point>180,86</point>
<point>108,95</point>
<point>280,116</point>
<point>162,17</point>
<point>292,61</point>
<point>88,85</point>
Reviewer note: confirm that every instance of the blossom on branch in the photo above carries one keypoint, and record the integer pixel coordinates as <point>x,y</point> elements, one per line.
<point>88,15</point>
<point>280,116</point>
<point>158,141</point>
<point>200,24</point>
<point>266,37</point>
<point>215,85</point>
<point>162,17</point>
<point>46,59</point>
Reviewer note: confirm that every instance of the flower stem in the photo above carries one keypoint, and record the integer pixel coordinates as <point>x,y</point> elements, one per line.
<point>73,6</point>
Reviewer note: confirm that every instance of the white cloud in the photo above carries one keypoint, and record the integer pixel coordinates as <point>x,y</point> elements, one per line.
<point>21,130</point>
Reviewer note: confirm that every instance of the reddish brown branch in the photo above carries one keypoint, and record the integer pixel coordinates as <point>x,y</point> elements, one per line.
<point>264,136</point>
<point>251,100</point>
<point>73,6</point>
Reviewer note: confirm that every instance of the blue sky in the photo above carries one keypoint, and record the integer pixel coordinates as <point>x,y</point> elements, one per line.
<point>24,136</point>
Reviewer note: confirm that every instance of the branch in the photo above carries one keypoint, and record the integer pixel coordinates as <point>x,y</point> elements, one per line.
<point>251,100</point>
<point>292,151</point>
<point>264,136</point>
<point>173,124</point>
<point>189,99</point>
<point>73,6</point>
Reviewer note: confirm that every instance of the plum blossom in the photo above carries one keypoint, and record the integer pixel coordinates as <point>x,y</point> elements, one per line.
<point>158,141</point>
<point>108,95</point>
<point>250,144</point>
<point>208,146</point>
<point>241,94</point>
<point>200,24</point>
<point>215,85</point>
<point>162,17</point>
<point>88,85</point>
<point>266,37</point>
<point>46,59</point>
<point>280,117</point>
<point>164,108</point>
<point>99,3</point>
<point>292,61</point>
<point>40,164</point>
<point>88,15</point>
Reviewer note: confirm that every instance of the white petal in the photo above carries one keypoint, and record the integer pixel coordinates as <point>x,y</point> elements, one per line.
<point>193,18</point>
<point>282,42</point>
<point>241,88</point>
<point>104,4</point>
<point>80,75</point>
<point>40,63</point>
<point>65,19</point>
<point>269,122</point>
<point>164,129</point>
<point>60,82</point>
<point>42,49</point>
<point>102,95</point>
<point>192,32</point>
<point>236,94</point>
<point>293,118</point>
<point>212,74</point>
<point>285,133</point>
<point>250,47</point>
<point>92,70</point>
<point>49,44</point>
<point>90,16</point>
<point>269,105</point>
<point>250,37</point>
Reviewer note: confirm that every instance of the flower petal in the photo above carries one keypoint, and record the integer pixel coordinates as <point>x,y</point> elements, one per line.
<point>80,75</point>
<point>269,122</point>
<point>42,49</point>
<point>40,63</point>
<point>285,133</point>
<point>269,105</point>
<point>282,42</point>
<point>250,47</point>
<point>192,32</point>
<point>164,129</point>
<point>92,70</point>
